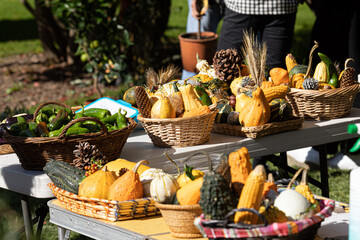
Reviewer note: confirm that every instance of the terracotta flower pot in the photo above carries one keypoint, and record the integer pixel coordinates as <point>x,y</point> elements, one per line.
<point>204,47</point>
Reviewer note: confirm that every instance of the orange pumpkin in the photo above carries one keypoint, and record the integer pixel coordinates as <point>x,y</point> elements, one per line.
<point>279,76</point>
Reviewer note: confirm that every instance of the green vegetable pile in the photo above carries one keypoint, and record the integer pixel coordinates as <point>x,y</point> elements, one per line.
<point>50,122</point>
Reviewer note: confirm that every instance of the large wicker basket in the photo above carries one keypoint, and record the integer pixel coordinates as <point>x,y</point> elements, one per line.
<point>180,219</point>
<point>105,209</point>
<point>322,105</point>
<point>34,152</point>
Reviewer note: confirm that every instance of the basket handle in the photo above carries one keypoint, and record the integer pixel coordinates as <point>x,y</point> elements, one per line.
<point>49,103</point>
<point>104,130</point>
<point>235,210</point>
<point>296,175</point>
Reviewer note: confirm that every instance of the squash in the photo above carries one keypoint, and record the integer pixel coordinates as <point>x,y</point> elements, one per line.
<point>176,100</point>
<point>190,174</point>
<point>129,96</point>
<point>128,186</point>
<point>233,118</point>
<point>163,188</point>
<point>240,165</point>
<point>224,111</point>
<point>293,204</point>
<point>269,185</point>
<point>298,69</point>
<point>273,214</point>
<point>190,193</point>
<point>215,198</point>
<point>97,185</point>
<point>147,176</point>
<point>197,111</point>
<point>251,195</point>
<point>241,100</point>
<point>304,189</point>
<point>320,73</point>
<point>276,92</point>
<point>162,108</point>
<point>267,84</point>
<point>290,62</point>
<point>257,110</point>
<point>281,110</point>
<point>297,81</point>
<point>235,85</point>
<point>279,76</point>
<point>120,163</point>
<point>191,101</point>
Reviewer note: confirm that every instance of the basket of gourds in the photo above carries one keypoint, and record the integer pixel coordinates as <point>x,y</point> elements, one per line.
<point>258,209</point>
<point>328,93</point>
<point>173,115</point>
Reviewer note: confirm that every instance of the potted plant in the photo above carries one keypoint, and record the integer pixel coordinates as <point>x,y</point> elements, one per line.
<point>198,43</point>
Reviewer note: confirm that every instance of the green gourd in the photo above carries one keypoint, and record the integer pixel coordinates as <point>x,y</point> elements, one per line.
<point>281,110</point>
<point>224,111</point>
<point>216,199</point>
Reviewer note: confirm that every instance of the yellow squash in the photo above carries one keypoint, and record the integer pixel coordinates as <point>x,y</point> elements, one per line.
<point>162,108</point>
<point>189,175</point>
<point>120,163</point>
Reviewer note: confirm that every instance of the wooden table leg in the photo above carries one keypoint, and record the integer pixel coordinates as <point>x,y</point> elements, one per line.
<point>324,170</point>
<point>25,205</point>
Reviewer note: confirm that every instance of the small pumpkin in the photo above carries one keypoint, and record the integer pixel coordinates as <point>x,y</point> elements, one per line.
<point>120,163</point>
<point>128,186</point>
<point>162,108</point>
<point>190,174</point>
<point>163,188</point>
<point>147,176</point>
<point>279,76</point>
<point>97,185</point>
<point>293,204</point>
<point>257,110</point>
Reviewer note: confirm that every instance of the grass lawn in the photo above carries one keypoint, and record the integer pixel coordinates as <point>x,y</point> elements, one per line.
<point>19,35</point>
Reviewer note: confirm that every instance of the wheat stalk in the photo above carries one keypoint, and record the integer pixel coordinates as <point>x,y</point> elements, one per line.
<point>154,79</point>
<point>255,55</point>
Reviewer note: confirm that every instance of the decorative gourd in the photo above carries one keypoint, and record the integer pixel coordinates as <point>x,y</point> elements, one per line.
<point>197,111</point>
<point>269,185</point>
<point>304,188</point>
<point>257,110</point>
<point>244,70</point>
<point>297,81</point>
<point>128,186</point>
<point>64,175</point>
<point>190,193</point>
<point>279,76</point>
<point>251,195</point>
<point>147,176</point>
<point>191,101</point>
<point>129,96</point>
<point>190,174</point>
<point>276,92</point>
<point>235,85</point>
<point>292,203</point>
<point>224,111</point>
<point>290,62</point>
<point>241,100</point>
<point>97,185</point>
<point>176,100</point>
<point>281,110</point>
<point>163,188</point>
<point>215,197</point>
<point>240,165</point>
<point>267,84</point>
<point>120,163</point>
<point>320,73</point>
<point>162,108</point>
<point>233,118</point>
<point>273,214</point>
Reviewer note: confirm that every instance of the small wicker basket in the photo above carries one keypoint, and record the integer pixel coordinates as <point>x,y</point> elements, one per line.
<point>180,219</point>
<point>105,209</point>
<point>34,152</point>
<point>322,105</point>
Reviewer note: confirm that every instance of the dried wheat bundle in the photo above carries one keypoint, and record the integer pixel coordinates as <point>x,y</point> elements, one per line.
<point>156,79</point>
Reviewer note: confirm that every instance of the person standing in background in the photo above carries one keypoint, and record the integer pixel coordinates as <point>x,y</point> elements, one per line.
<point>209,22</point>
<point>272,21</point>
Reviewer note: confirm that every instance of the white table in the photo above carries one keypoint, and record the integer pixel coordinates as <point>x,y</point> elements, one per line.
<point>139,146</point>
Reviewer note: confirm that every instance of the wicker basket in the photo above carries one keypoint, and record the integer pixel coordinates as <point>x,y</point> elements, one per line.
<point>258,131</point>
<point>180,219</point>
<point>322,105</point>
<point>34,152</point>
<point>304,229</point>
<point>105,209</point>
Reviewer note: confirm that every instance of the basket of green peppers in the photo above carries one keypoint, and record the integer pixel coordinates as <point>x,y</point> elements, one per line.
<point>54,131</point>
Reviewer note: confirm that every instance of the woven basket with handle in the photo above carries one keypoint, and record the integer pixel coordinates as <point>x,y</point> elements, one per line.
<point>322,105</point>
<point>174,132</point>
<point>34,152</point>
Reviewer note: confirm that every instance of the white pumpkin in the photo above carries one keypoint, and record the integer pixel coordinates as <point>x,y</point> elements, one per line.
<point>147,176</point>
<point>293,204</point>
<point>163,188</point>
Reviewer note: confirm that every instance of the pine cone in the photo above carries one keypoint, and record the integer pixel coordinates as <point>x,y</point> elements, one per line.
<point>85,153</point>
<point>227,64</point>
<point>311,84</point>
<point>347,77</point>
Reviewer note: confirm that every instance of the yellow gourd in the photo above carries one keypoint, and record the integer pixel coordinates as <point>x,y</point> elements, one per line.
<point>267,84</point>
<point>279,76</point>
<point>257,110</point>
<point>162,108</point>
<point>235,85</point>
<point>273,214</point>
<point>128,186</point>
<point>189,175</point>
<point>190,99</point>
<point>241,100</point>
<point>197,111</point>
<point>240,165</point>
<point>190,193</point>
<point>276,92</point>
<point>320,73</point>
<point>290,62</point>
<point>97,184</point>
<point>120,163</point>
<point>251,195</point>
<point>304,188</point>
